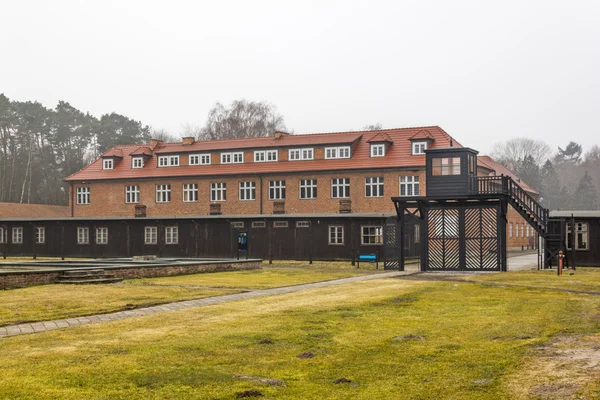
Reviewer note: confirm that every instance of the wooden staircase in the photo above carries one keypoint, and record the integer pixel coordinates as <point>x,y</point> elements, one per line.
<point>88,276</point>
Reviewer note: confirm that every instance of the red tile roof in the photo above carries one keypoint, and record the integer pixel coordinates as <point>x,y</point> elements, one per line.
<point>500,169</point>
<point>19,210</point>
<point>398,155</point>
<point>381,137</point>
<point>422,134</point>
<point>142,151</point>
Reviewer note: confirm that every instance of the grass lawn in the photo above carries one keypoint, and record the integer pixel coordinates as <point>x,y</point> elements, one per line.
<point>389,339</point>
<point>584,279</point>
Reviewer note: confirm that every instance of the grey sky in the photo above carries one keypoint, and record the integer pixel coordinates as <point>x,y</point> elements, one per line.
<point>482,70</point>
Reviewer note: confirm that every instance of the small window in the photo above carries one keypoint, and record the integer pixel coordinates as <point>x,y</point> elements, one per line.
<point>171,235</point>
<point>17,235</point>
<point>374,187</point>
<point>301,154</point>
<point>276,190</point>
<point>259,224</point>
<point>308,188</point>
<point>417,232</point>
<point>409,186</point>
<point>190,192</point>
<point>337,152</point>
<point>101,235</point>
<point>247,190</point>
<point>445,166</point>
<point>280,224</point>
<point>265,156</point>
<point>40,235</point>
<point>340,188</point>
<point>378,150</point>
<point>218,191</point>
<point>107,163</point>
<point>163,193</point>
<point>371,235</point>
<point>150,235</point>
<point>418,148</point>
<point>510,230</point>
<point>83,195</point>
<point>3,235</point>
<point>137,162</point>
<point>581,236</point>
<point>232,158</point>
<point>302,224</point>
<point>83,235</point>
<point>168,161</point>
<point>336,235</point>
<point>237,224</point>
<point>132,194</point>
<point>199,159</point>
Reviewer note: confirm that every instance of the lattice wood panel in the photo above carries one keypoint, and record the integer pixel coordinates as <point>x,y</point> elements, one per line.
<point>481,239</point>
<point>392,242</point>
<point>443,239</point>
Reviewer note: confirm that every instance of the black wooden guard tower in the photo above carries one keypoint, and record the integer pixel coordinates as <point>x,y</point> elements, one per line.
<point>463,216</point>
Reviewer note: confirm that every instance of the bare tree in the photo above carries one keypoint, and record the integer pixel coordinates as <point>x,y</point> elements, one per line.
<point>373,127</point>
<point>243,119</point>
<point>161,134</point>
<point>512,152</point>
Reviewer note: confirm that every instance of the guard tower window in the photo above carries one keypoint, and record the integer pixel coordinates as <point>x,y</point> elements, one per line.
<point>581,236</point>
<point>446,166</point>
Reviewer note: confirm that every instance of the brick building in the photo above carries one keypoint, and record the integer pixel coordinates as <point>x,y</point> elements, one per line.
<point>338,184</point>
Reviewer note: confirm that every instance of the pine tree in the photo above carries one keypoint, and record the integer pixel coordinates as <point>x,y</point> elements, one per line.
<point>586,196</point>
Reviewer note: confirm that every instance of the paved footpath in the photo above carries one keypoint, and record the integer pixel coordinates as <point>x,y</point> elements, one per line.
<point>35,327</point>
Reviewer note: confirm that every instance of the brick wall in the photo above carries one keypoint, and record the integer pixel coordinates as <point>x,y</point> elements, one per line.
<point>108,198</point>
<point>513,241</point>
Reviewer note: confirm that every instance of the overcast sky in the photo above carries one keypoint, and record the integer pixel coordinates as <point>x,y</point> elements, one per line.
<point>483,71</point>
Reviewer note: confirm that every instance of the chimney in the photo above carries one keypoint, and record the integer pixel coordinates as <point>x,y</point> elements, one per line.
<point>280,134</point>
<point>186,141</point>
<point>154,143</point>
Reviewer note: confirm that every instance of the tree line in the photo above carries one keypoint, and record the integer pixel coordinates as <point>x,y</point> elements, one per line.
<point>566,178</point>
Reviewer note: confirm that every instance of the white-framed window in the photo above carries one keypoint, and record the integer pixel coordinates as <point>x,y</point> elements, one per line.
<point>40,235</point>
<point>190,192</point>
<point>377,150</point>
<point>168,161</point>
<point>150,235</point>
<point>163,193</point>
<point>218,191</point>
<point>371,235</point>
<point>336,234</point>
<point>83,195</point>
<point>17,235</point>
<point>527,231</point>
<point>523,230</point>
<point>418,148</point>
<point>232,158</point>
<point>337,152</point>
<point>280,224</point>
<point>259,224</point>
<point>237,224</point>
<point>265,155</point>
<point>308,188</point>
<point>517,230</point>
<point>409,185</point>
<point>581,236</point>
<point>3,235</point>
<point>374,186</point>
<point>247,190</point>
<point>83,235</point>
<point>301,154</point>
<point>102,235</point>
<point>302,224</point>
<point>340,188</point>
<point>276,190</point>
<point>510,230</point>
<point>445,166</point>
<point>137,162</point>
<point>199,159</point>
<point>171,235</point>
<point>108,163</point>
<point>132,194</point>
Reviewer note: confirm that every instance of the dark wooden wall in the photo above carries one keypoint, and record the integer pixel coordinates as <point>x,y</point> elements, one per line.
<point>589,257</point>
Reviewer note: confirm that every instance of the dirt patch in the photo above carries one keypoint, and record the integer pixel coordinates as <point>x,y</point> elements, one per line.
<point>306,354</point>
<point>408,337</point>
<point>559,369</point>
<point>341,380</point>
<point>266,341</point>
<point>278,383</point>
<point>248,393</point>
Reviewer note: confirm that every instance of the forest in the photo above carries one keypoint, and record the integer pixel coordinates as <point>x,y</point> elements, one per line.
<point>40,146</point>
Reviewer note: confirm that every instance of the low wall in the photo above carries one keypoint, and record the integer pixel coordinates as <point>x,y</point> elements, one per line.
<point>20,279</point>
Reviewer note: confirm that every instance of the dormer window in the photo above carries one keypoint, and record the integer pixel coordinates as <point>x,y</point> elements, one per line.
<point>265,156</point>
<point>232,158</point>
<point>337,152</point>
<point>418,148</point>
<point>168,161</point>
<point>378,150</point>
<point>137,162</point>
<point>108,163</point>
<point>301,154</point>
<point>199,159</point>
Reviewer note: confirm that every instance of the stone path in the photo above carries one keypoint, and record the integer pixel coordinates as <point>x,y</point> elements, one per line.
<point>35,327</point>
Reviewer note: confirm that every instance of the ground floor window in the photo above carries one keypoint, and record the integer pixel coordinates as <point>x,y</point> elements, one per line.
<point>17,235</point>
<point>336,235</point>
<point>371,235</point>
<point>510,230</point>
<point>83,235</point>
<point>259,224</point>
<point>40,235</point>
<point>581,236</point>
<point>417,233</point>
<point>171,235</point>
<point>101,235</point>
<point>150,235</point>
<point>2,236</point>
